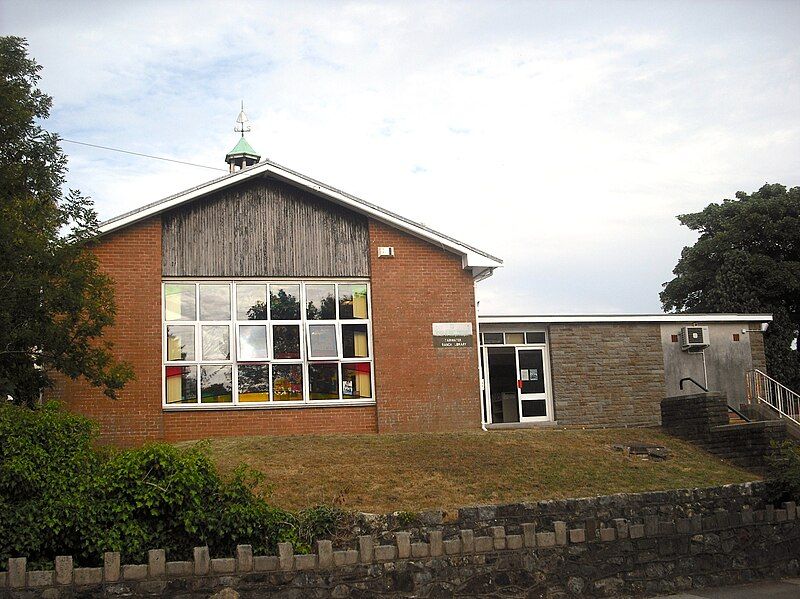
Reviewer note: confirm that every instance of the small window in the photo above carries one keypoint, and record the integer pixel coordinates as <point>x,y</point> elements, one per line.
<point>493,338</point>
<point>253,342</point>
<point>181,384</point>
<point>180,343</point>
<point>356,381</point>
<point>323,380</point>
<point>215,302</point>
<point>352,302</point>
<point>216,384</point>
<point>284,302</point>
<point>736,336</point>
<point>515,338</point>
<point>322,341</point>
<point>253,382</point>
<point>216,342</point>
<point>320,302</point>
<point>179,302</point>
<point>534,337</point>
<point>286,342</point>
<point>287,382</point>
<point>251,302</point>
<point>354,341</point>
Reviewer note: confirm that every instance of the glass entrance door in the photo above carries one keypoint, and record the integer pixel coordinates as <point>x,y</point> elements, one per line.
<point>532,385</point>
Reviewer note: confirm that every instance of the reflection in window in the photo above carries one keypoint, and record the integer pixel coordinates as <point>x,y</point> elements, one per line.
<point>215,302</point>
<point>253,382</point>
<point>352,301</point>
<point>320,302</point>
<point>179,302</point>
<point>287,382</point>
<point>322,340</point>
<point>323,380</point>
<point>284,302</point>
<point>253,342</point>
<point>180,343</point>
<point>354,341</point>
<point>493,338</point>
<point>534,337</point>
<point>286,342</point>
<point>216,342</point>
<point>181,384</point>
<point>216,384</point>
<point>251,302</point>
<point>356,381</point>
<point>515,338</point>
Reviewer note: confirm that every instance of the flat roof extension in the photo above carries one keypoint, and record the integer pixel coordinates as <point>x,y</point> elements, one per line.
<point>559,318</point>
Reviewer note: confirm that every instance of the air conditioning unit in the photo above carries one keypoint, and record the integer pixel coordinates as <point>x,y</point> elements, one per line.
<point>694,338</point>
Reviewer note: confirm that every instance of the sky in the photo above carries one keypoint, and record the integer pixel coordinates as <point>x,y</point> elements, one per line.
<point>563,137</point>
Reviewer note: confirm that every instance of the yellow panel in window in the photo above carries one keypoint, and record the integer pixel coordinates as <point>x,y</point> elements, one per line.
<point>359,304</point>
<point>174,389</point>
<point>515,338</point>
<point>362,381</point>
<point>253,397</point>
<point>360,344</point>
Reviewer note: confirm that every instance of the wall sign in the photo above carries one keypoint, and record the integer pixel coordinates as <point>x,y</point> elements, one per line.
<point>452,334</point>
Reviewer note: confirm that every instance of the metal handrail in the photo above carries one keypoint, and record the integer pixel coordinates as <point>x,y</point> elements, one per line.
<point>688,378</point>
<point>763,388</point>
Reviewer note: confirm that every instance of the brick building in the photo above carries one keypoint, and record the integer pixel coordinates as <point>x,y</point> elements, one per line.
<point>265,302</point>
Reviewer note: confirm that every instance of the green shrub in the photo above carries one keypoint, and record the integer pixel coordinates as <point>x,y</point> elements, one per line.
<point>59,495</point>
<point>783,477</point>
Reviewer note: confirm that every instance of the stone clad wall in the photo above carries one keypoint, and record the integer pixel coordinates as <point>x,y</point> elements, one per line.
<point>616,558</point>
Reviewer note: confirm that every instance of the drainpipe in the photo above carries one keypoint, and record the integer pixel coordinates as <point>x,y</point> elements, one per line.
<point>480,371</point>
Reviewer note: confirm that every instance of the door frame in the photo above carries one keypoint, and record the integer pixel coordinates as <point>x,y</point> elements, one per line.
<point>547,396</point>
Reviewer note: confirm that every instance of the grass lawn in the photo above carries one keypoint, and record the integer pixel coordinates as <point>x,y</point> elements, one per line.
<point>433,470</point>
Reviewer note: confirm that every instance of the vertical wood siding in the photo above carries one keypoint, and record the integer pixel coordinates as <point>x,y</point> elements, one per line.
<point>264,228</point>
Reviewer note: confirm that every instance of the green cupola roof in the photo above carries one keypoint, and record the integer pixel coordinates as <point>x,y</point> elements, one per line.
<point>242,148</point>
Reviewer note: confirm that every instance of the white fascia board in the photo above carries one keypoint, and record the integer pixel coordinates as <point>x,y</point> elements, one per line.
<point>543,319</point>
<point>470,257</point>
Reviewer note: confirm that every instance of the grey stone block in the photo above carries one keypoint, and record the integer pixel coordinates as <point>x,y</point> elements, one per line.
<point>420,549</point>
<point>403,540</point>
<point>285,556</point>
<point>636,531</point>
<point>545,539</point>
<point>202,561</point>
<point>305,562</point>
<point>17,567</point>
<point>244,558</point>
<point>560,530</point>
<point>435,542</point>
<point>111,566</point>
<point>781,515</point>
<point>351,557</point>
<point>577,535</point>
<point>3,580</point>
<point>223,565</point>
<point>41,578</point>
<point>499,535</point>
<point>365,549</point>
<point>697,523</point>
<point>325,554</point>
<point>339,558</point>
<point>265,563</point>
<point>385,553</point>
<point>468,541</point>
<point>452,547</point>
<point>514,542</point>
<point>607,534</point>
<point>683,526</point>
<point>529,534</point>
<point>63,569</point>
<point>134,571</point>
<point>178,569</point>
<point>83,577</point>
<point>747,516</point>
<point>156,563</point>
<point>651,526</point>
<point>484,544</point>
<point>621,526</point>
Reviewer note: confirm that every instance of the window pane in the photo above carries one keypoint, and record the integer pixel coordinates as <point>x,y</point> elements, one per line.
<point>253,342</point>
<point>320,302</point>
<point>354,341</point>
<point>515,338</point>
<point>215,302</point>
<point>323,381</point>
<point>356,382</point>
<point>322,340</point>
<point>179,302</point>
<point>284,302</point>
<point>493,338</point>
<point>216,384</point>
<point>534,337</point>
<point>352,301</point>
<point>251,302</point>
<point>286,342</point>
<point>181,382</point>
<point>287,382</point>
<point>216,342</point>
<point>253,382</point>
<point>180,342</point>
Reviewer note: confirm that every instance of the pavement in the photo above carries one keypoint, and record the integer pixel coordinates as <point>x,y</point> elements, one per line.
<point>787,588</point>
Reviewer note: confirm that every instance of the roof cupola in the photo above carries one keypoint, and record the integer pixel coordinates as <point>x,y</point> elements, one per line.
<point>242,155</point>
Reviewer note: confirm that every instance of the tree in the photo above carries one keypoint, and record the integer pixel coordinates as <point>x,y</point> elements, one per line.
<point>747,259</point>
<point>54,301</point>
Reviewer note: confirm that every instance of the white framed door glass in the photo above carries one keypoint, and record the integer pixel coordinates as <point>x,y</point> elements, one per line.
<point>533,386</point>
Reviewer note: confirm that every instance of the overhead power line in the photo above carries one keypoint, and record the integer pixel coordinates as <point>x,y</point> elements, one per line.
<point>83,143</point>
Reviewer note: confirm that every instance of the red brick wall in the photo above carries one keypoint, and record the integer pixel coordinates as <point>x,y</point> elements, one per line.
<point>132,258</point>
<point>419,387</point>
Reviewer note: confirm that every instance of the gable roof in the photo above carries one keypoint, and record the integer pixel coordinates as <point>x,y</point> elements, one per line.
<point>481,263</point>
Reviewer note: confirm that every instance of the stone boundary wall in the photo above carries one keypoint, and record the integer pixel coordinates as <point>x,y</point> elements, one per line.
<point>615,558</point>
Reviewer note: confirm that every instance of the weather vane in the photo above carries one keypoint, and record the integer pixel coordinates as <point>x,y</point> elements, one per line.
<point>242,121</point>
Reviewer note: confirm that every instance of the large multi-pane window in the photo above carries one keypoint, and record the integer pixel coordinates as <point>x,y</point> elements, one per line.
<point>273,342</point>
